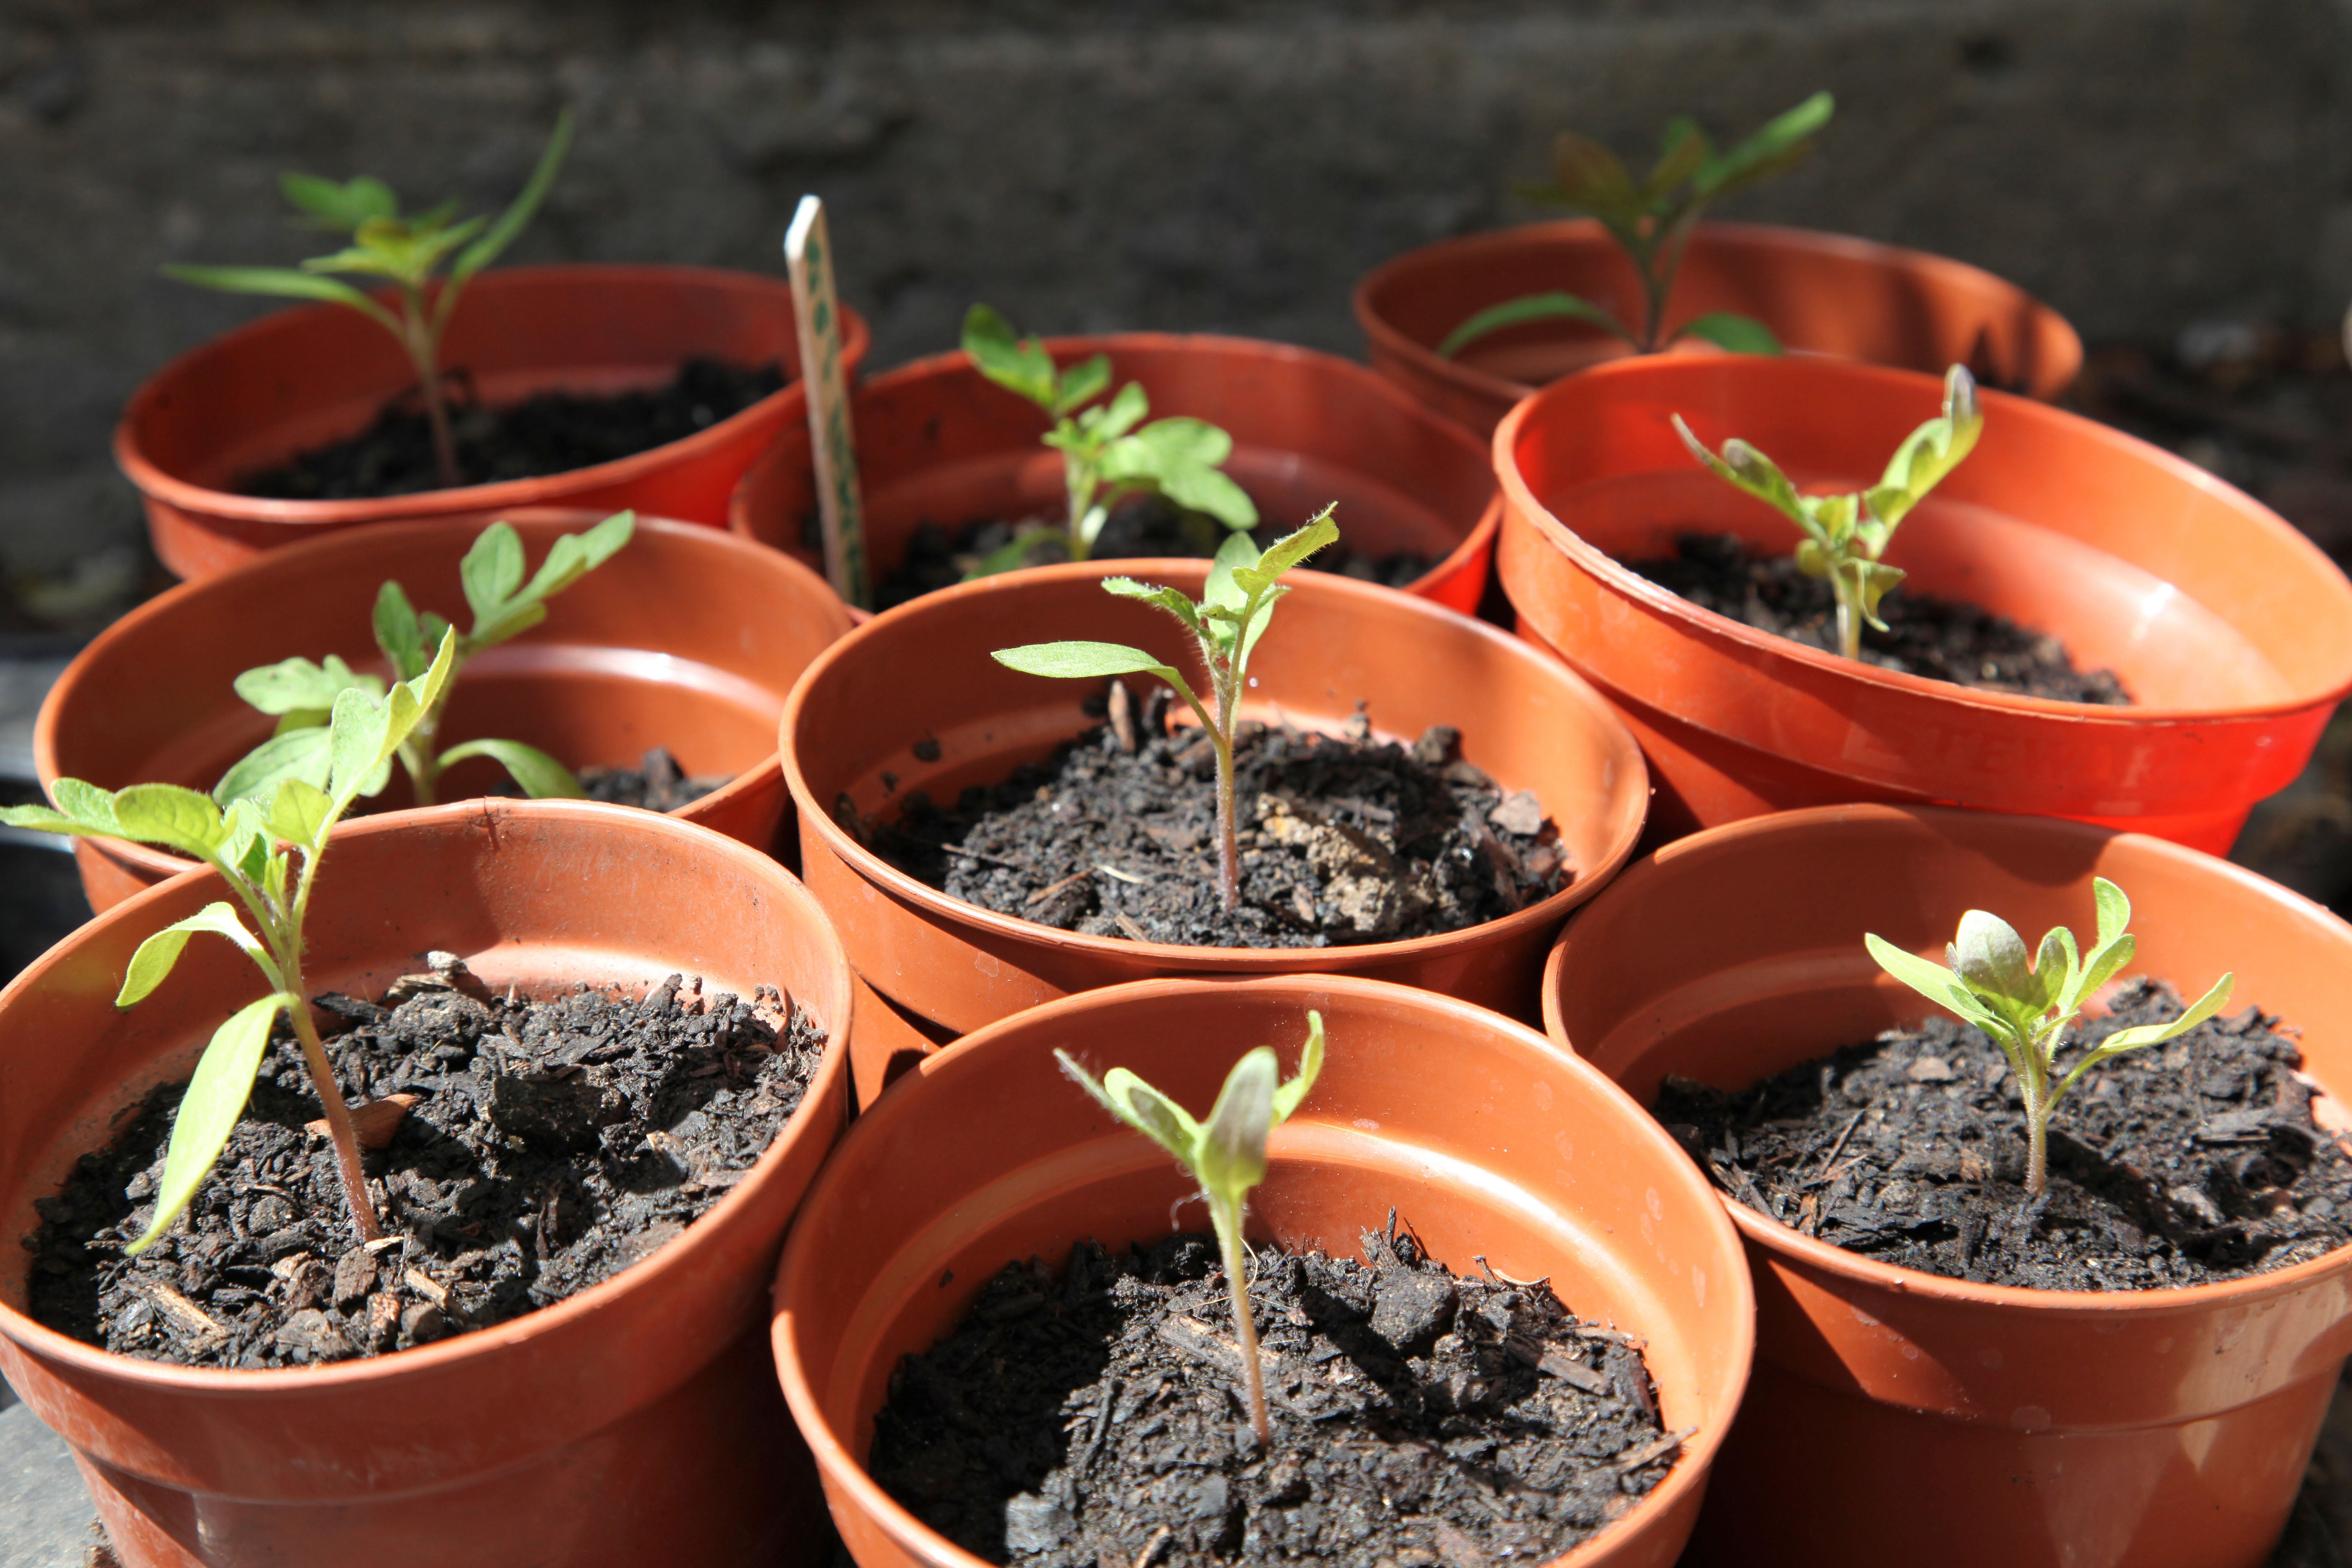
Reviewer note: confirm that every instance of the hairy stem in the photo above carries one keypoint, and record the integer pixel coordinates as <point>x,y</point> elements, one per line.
<point>338,1117</point>
<point>1849,623</point>
<point>1228,1222</point>
<point>418,338</point>
<point>1229,854</point>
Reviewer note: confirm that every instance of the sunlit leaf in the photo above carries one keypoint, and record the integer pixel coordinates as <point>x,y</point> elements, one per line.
<point>152,964</point>
<point>208,1111</point>
<point>1547,307</point>
<point>541,775</point>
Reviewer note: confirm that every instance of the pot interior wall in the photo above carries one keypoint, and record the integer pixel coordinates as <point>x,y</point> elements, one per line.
<point>1332,645</point>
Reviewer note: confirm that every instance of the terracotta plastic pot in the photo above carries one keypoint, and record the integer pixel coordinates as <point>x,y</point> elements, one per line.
<point>298,379</point>
<point>1820,293</point>
<point>1525,719</point>
<point>1481,1135</point>
<point>937,442</point>
<point>624,1425</point>
<point>1898,1416</point>
<point>2231,631</point>
<point>687,638</point>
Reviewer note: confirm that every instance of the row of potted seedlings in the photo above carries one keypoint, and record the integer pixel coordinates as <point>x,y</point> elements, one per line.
<point>456,1239</point>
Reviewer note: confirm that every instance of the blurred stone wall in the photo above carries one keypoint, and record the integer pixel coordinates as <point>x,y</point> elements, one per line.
<point>2142,163</point>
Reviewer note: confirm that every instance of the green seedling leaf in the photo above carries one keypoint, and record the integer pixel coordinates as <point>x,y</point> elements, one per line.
<point>1169,599</point>
<point>1592,177</point>
<point>285,284</point>
<point>296,685</point>
<point>525,205</point>
<point>1083,383</point>
<point>1289,550</point>
<point>574,555</point>
<point>303,754</point>
<point>168,815</point>
<point>2141,1034</point>
<point>1286,1098</point>
<point>1122,414</point>
<point>1232,1157</point>
<point>300,812</point>
<point>1207,491</point>
<point>1773,148</point>
<point>1727,330</point>
<point>1684,150</point>
<point>1020,366</point>
<point>152,964</point>
<point>1551,306</point>
<point>491,570</point>
<point>1083,660</point>
<point>209,1111</point>
<point>541,775</point>
<point>342,207</point>
<point>397,633</point>
<point>82,808</point>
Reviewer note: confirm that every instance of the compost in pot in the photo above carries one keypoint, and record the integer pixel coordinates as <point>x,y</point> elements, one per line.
<point>538,1148</point>
<point>550,433</point>
<point>1097,1415</point>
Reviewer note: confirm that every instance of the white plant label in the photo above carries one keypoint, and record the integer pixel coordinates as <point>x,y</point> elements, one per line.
<point>808,259</point>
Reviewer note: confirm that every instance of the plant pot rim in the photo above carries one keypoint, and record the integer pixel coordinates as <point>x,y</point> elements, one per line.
<point>369,1371</point>
<point>1694,1460</point>
<point>1386,338</point>
<point>1073,346</point>
<point>1770,1234</point>
<point>163,485</point>
<point>937,904</point>
<point>1763,649</point>
<point>294,559</point>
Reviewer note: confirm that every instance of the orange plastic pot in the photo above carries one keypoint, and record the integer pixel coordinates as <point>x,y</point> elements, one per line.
<point>628,1425</point>
<point>2230,628</point>
<point>689,639</point>
<point>1479,1132</point>
<point>955,717</point>
<point>1901,1417</point>
<point>1820,293</point>
<point>939,443</point>
<point>254,397</point>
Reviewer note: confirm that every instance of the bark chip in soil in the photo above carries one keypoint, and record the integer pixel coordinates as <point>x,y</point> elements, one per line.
<point>552,433</point>
<point>1419,1416</point>
<point>1943,639</point>
<point>546,1146</point>
<point>1344,839</point>
<point>2187,1163</point>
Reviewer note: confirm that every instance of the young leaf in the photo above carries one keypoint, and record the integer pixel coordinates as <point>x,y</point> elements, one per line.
<point>1933,981</point>
<point>208,1112</point>
<point>541,775</point>
<point>1291,550</point>
<point>1170,599</point>
<point>285,284</point>
<point>300,812</point>
<point>491,570</point>
<point>1232,1156</point>
<point>168,815</point>
<point>1991,957</point>
<point>511,223</point>
<point>574,555</point>
<point>1729,330</point>
<point>397,634</point>
<point>1775,146</point>
<point>1744,467</point>
<point>1310,1068</point>
<point>1084,382</point>
<point>1083,660</point>
<point>1122,414</point>
<point>1592,177</point>
<point>1546,306</point>
<point>301,753</point>
<point>339,206</point>
<point>2204,1007</point>
<point>1208,490</point>
<point>153,963</point>
<point>296,685</point>
<point>1020,366</point>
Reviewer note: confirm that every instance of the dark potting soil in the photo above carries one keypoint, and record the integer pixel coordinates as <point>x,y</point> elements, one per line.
<point>2185,1163</point>
<point>1343,839</point>
<point>1419,1416</point>
<point>1943,639</point>
<point>552,433</point>
<point>1139,529</point>
<point>655,783</point>
<point>551,1144</point>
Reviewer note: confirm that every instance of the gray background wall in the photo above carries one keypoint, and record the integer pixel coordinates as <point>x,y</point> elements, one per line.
<point>2142,163</point>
